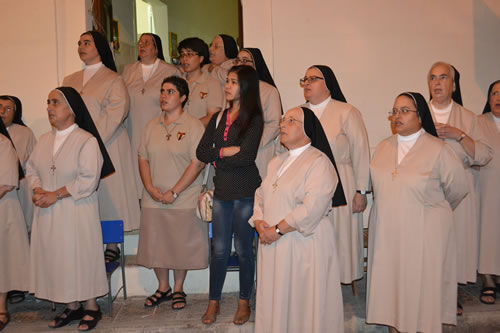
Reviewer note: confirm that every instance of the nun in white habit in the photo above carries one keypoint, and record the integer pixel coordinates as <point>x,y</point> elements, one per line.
<point>297,265</point>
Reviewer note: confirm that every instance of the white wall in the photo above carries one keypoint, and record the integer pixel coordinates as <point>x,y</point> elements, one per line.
<point>377,49</point>
<point>39,47</point>
<point>124,12</point>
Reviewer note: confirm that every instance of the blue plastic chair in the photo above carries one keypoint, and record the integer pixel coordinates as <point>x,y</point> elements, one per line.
<point>112,232</point>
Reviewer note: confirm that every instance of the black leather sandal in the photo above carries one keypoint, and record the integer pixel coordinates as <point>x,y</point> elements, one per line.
<point>71,315</point>
<point>488,292</point>
<point>180,299</point>
<point>157,300</point>
<point>111,255</point>
<point>3,324</point>
<point>91,324</point>
<point>15,296</point>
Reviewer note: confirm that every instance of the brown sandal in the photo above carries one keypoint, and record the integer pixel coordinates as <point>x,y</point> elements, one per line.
<point>243,313</point>
<point>3,324</point>
<point>210,315</point>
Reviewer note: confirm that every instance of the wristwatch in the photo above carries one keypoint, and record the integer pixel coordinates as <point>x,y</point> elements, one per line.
<point>277,229</point>
<point>461,137</point>
<point>58,196</point>
<point>175,195</point>
<point>363,192</point>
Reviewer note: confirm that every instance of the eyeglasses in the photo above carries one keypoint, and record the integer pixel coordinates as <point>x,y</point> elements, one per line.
<point>395,111</point>
<point>188,55</point>
<point>288,121</point>
<point>309,79</point>
<point>242,61</point>
<point>495,93</point>
<point>146,43</point>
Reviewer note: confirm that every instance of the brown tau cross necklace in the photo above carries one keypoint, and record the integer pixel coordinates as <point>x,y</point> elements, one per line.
<point>169,133</point>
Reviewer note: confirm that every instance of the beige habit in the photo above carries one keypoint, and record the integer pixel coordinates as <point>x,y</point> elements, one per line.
<point>170,235</point>
<point>106,98</point>
<point>67,260</point>
<point>298,287</point>
<point>346,133</point>
<point>412,282</point>
<point>24,141</point>
<point>489,188</point>
<point>466,215</point>
<point>144,103</point>
<point>204,93</point>
<point>271,108</point>
<point>219,72</point>
<point>14,247</point>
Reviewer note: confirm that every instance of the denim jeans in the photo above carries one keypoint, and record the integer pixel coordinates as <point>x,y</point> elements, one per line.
<point>231,216</point>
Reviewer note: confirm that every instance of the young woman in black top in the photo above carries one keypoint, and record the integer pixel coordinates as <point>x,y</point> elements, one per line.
<point>232,148</point>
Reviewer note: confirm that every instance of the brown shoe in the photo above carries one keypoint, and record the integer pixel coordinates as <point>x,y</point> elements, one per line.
<point>243,313</point>
<point>210,315</point>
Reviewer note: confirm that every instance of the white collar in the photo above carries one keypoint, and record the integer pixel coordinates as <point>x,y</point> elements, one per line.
<point>445,109</point>
<point>321,105</point>
<point>149,66</point>
<point>94,66</point>
<point>495,118</point>
<point>66,131</point>
<point>411,137</point>
<point>297,151</point>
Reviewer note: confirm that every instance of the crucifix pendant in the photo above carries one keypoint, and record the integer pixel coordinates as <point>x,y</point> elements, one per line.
<point>275,185</point>
<point>168,136</point>
<point>394,173</point>
<point>53,168</point>
<point>143,90</point>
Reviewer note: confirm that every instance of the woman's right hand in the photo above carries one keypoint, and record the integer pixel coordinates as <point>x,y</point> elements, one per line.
<point>155,193</point>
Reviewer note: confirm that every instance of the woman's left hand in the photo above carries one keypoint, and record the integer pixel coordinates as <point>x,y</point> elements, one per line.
<point>45,199</point>
<point>167,198</point>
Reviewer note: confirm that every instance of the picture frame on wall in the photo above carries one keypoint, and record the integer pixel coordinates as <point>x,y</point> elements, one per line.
<point>115,29</point>
<point>173,43</point>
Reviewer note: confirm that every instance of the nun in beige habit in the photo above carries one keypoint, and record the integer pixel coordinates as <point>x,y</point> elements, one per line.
<point>298,287</point>
<point>24,142</point>
<point>143,81</point>
<point>222,51</point>
<point>206,96</point>
<point>417,182</point>
<point>14,247</point>
<point>489,208</point>
<point>459,129</point>
<point>107,100</point>
<point>271,105</point>
<point>67,262</point>
<point>346,132</point>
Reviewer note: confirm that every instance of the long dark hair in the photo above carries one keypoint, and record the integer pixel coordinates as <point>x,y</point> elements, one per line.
<point>250,105</point>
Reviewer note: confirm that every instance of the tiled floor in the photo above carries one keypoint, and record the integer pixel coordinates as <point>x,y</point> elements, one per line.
<point>131,316</point>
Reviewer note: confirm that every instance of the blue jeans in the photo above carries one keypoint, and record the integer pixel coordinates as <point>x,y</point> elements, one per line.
<point>231,216</point>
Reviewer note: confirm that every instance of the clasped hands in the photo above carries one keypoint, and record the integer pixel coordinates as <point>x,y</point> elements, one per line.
<point>445,131</point>
<point>165,198</point>
<point>42,198</point>
<point>267,233</point>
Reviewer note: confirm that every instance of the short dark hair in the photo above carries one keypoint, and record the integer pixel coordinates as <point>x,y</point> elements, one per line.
<point>180,84</point>
<point>197,45</point>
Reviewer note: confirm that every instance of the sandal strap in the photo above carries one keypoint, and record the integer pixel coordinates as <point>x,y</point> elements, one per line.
<point>181,293</point>
<point>489,292</point>
<point>111,254</point>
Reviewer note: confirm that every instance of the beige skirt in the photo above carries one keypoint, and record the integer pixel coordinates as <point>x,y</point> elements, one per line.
<point>173,239</point>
